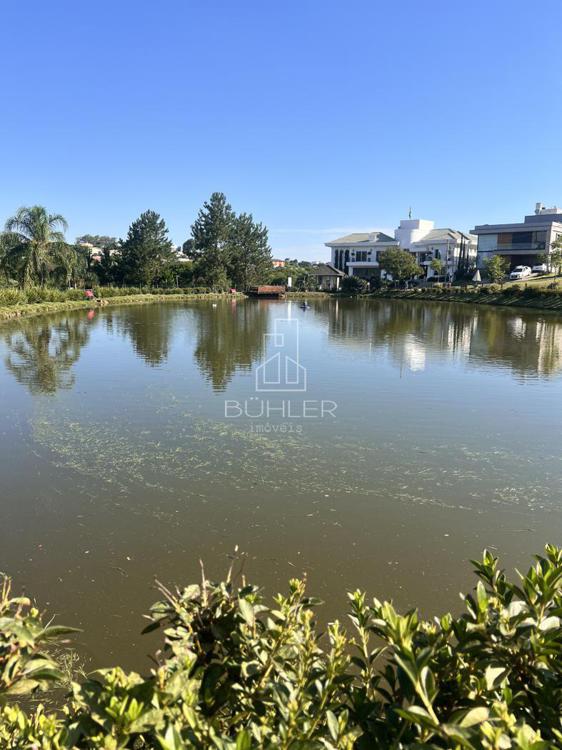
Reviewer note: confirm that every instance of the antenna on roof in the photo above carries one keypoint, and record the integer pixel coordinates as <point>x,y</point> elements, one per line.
<point>410,212</point>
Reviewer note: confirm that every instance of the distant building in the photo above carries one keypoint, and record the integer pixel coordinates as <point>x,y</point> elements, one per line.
<point>96,253</point>
<point>358,254</point>
<point>521,243</point>
<point>420,237</point>
<point>180,256</point>
<point>276,263</point>
<point>327,277</point>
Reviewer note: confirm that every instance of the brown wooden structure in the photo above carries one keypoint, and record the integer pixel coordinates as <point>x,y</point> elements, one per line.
<point>267,290</point>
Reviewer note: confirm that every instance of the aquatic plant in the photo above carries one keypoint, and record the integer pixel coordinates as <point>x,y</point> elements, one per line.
<point>235,673</point>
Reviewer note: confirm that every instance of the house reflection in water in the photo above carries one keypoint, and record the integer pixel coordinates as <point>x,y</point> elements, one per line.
<point>528,344</point>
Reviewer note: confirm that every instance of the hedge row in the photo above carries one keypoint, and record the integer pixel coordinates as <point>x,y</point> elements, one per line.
<point>35,295</point>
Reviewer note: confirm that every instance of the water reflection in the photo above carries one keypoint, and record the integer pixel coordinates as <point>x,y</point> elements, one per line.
<point>149,327</point>
<point>230,337</point>
<point>529,344</point>
<point>41,353</point>
<point>137,472</point>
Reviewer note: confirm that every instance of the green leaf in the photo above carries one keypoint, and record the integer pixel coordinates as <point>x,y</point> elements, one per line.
<point>417,715</point>
<point>247,611</point>
<point>493,676</point>
<point>333,725</point>
<point>549,623</point>
<point>243,740</point>
<point>474,716</point>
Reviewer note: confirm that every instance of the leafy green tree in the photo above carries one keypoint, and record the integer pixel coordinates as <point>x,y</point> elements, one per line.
<point>496,267</point>
<point>38,237</point>
<point>437,266</point>
<point>210,245</point>
<point>146,250</point>
<point>249,257</point>
<point>304,281</point>
<point>555,257</point>
<point>107,269</point>
<point>400,264</point>
<point>299,275</point>
<point>9,256</point>
<point>354,285</point>
<point>70,265</point>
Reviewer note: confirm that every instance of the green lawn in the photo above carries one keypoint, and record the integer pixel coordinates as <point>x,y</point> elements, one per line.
<point>537,281</point>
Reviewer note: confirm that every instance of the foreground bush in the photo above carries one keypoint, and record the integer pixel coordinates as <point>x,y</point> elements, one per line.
<point>236,674</point>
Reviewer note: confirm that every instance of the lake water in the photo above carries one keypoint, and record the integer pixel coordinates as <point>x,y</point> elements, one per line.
<point>132,446</point>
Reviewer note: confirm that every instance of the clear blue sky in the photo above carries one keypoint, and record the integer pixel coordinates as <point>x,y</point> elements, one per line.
<point>317,116</point>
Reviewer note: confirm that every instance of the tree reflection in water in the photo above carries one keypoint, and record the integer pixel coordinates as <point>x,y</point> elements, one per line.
<point>149,328</point>
<point>42,352</point>
<point>230,338</point>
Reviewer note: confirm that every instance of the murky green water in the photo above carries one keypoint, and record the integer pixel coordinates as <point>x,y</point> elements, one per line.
<point>136,440</point>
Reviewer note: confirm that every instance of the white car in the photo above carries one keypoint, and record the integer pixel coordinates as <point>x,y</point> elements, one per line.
<point>520,272</point>
<point>540,268</point>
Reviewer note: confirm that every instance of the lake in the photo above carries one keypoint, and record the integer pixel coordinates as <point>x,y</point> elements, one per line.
<point>377,444</point>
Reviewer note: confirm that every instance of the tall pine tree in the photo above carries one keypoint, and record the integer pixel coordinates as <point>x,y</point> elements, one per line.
<point>210,245</point>
<point>228,249</point>
<point>250,254</point>
<point>146,251</point>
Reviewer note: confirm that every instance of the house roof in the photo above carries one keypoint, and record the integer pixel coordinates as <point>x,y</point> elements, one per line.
<point>442,235</point>
<point>366,237</point>
<point>325,269</point>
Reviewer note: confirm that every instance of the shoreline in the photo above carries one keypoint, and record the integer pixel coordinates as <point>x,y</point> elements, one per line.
<point>529,300</point>
<point>533,300</point>
<point>16,312</point>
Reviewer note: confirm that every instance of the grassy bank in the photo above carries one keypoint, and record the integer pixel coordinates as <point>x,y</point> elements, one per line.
<point>21,310</point>
<point>510,296</point>
<point>308,295</point>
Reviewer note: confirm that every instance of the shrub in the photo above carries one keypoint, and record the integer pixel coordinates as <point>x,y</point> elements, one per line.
<point>9,297</point>
<point>354,285</point>
<point>236,674</point>
<point>37,294</point>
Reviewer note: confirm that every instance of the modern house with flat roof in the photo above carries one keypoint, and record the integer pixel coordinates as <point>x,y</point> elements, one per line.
<point>428,243</point>
<point>522,243</point>
<point>358,254</point>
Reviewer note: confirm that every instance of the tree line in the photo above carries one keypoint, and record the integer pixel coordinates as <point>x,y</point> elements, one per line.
<point>224,250</point>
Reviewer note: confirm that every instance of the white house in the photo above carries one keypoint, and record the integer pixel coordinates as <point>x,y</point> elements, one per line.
<point>358,254</point>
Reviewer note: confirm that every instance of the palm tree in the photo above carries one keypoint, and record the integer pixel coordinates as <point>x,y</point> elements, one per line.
<point>40,236</point>
<point>8,242</point>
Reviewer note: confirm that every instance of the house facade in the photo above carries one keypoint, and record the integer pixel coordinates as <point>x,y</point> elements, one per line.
<point>327,278</point>
<point>521,243</point>
<point>358,254</point>
<point>450,246</point>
